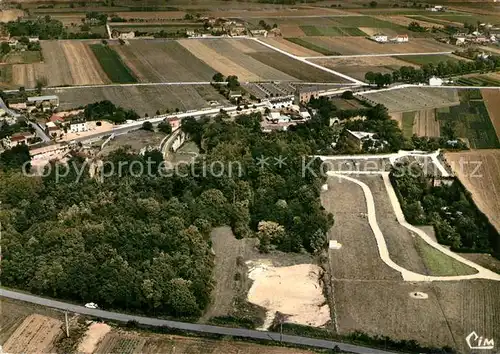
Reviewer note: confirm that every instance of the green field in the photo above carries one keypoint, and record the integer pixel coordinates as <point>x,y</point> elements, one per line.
<point>312,46</point>
<point>426,59</point>
<point>429,19</point>
<point>438,263</point>
<point>470,120</point>
<point>408,119</point>
<point>477,81</point>
<point>112,64</point>
<point>353,31</point>
<point>321,31</point>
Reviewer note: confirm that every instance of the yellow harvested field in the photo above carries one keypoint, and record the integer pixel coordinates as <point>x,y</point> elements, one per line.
<point>10,15</point>
<point>479,172</point>
<point>64,63</point>
<point>426,124</point>
<point>218,62</point>
<point>83,65</point>
<point>362,61</point>
<point>156,15</point>
<point>491,99</point>
<point>290,47</point>
<point>35,335</point>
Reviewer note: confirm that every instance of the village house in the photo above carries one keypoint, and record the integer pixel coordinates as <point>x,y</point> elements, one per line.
<point>17,139</point>
<point>401,38</point>
<point>304,95</point>
<point>435,81</point>
<point>46,102</point>
<point>52,130</point>
<point>78,127</point>
<point>358,138</point>
<point>259,32</point>
<point>380,38</point>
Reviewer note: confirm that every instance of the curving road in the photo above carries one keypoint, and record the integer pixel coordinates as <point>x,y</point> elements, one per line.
<point>482,273</point>
<point>236,332</point>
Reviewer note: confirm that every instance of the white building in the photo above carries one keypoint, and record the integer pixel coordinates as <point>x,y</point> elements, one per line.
<point>402,38</point>
<point>381,38</point>
<point>78,127</point>
<point>259,32</point>
<point>435,81</point>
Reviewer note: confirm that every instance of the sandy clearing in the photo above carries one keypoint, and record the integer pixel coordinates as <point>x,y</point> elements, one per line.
<point>10,15</point>
<point>218,62</point>
<point>34,335</point>
<point>95,333</point>
<point>82,64</point>
<point>290,47</point>
<point>491,99</point>
<point>295,291</point>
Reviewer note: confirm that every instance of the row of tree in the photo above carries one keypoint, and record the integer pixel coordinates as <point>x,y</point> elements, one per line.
<point>442,69</point>
<point>106,110</point>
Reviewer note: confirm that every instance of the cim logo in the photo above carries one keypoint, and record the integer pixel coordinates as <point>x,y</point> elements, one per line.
<point>476,342</point>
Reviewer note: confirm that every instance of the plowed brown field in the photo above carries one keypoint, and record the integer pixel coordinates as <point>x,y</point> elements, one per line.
<point>479,172</point>
<point>34,335</point>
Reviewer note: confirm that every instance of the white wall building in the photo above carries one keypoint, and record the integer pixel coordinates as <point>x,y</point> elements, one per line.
<point>402,38</point>
<point>78,127</point>
<point>381,38</point>
<point>435,81</point>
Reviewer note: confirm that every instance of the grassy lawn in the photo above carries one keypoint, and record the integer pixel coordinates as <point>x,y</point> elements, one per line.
<point>439,264</point>
<point>331,31</point>
<point>304,43</point>
<point>112,64</point>
<point>426,59</point>
<point>408,119</point>
<point>471,121</point>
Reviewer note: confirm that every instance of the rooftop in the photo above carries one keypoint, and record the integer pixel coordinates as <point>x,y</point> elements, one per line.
<point>42,98</point>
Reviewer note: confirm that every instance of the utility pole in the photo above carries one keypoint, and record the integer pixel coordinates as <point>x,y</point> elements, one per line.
<point>66,321</point>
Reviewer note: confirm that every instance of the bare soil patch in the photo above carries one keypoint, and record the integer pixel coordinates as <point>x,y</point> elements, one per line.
<point>83,65</point>
<point>491,99</point>
<point>10,15</point>
<point>95,333</point>
<point>135,141</point>
<point>291,31</point>
<point>35,335</point>
<point>290,47</point>
<point>483,183</point>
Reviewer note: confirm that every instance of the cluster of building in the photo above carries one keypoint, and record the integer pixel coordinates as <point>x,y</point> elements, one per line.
<point>41,103</point>
<point>476,37</point>
<point>383,38</point>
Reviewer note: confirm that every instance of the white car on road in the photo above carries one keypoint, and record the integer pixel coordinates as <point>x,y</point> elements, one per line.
<point>91,305</point>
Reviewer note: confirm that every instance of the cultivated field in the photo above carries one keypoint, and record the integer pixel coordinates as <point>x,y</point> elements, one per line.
<point>35,335</point>
<point>251,61</point>
<point>414,99</point>
<point>290,47</point>
<point>127,342</point>
<point>353,46</point>
<point>429,59</point>
<point>405,21</point>
<point>142,99</point>
<point>371,297</point>
<point>163,61</point>
<point>112,64</point>
<point>64,63</point>
<point>421,123</point>
<point>358,67</point>
<point>491,99</point>
<point>479,172</point>
<point>136,141</point>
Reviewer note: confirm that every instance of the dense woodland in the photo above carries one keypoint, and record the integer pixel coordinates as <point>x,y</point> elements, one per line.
<point>142,243</point>
<point>448,207</point>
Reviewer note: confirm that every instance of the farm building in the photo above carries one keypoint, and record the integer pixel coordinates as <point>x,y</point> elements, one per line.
<point>280,102</point>
<point>52,129</point>
<point>259,32</point>
<point>17,139</point>
<point>435,81</point>
<point>380,38</point>
<point>402,38</point>
<point>358,138</point>
<point>38,101</point>
<point>78,127</point>
<point>305,95</point>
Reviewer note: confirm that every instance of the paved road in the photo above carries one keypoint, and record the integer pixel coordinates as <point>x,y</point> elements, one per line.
<point>237,332</point>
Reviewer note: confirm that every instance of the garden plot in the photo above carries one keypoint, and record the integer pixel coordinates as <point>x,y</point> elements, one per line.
<point>420,123</point>
<point>142,99</point>
<point>163,61</point>
<point>414,98</point>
